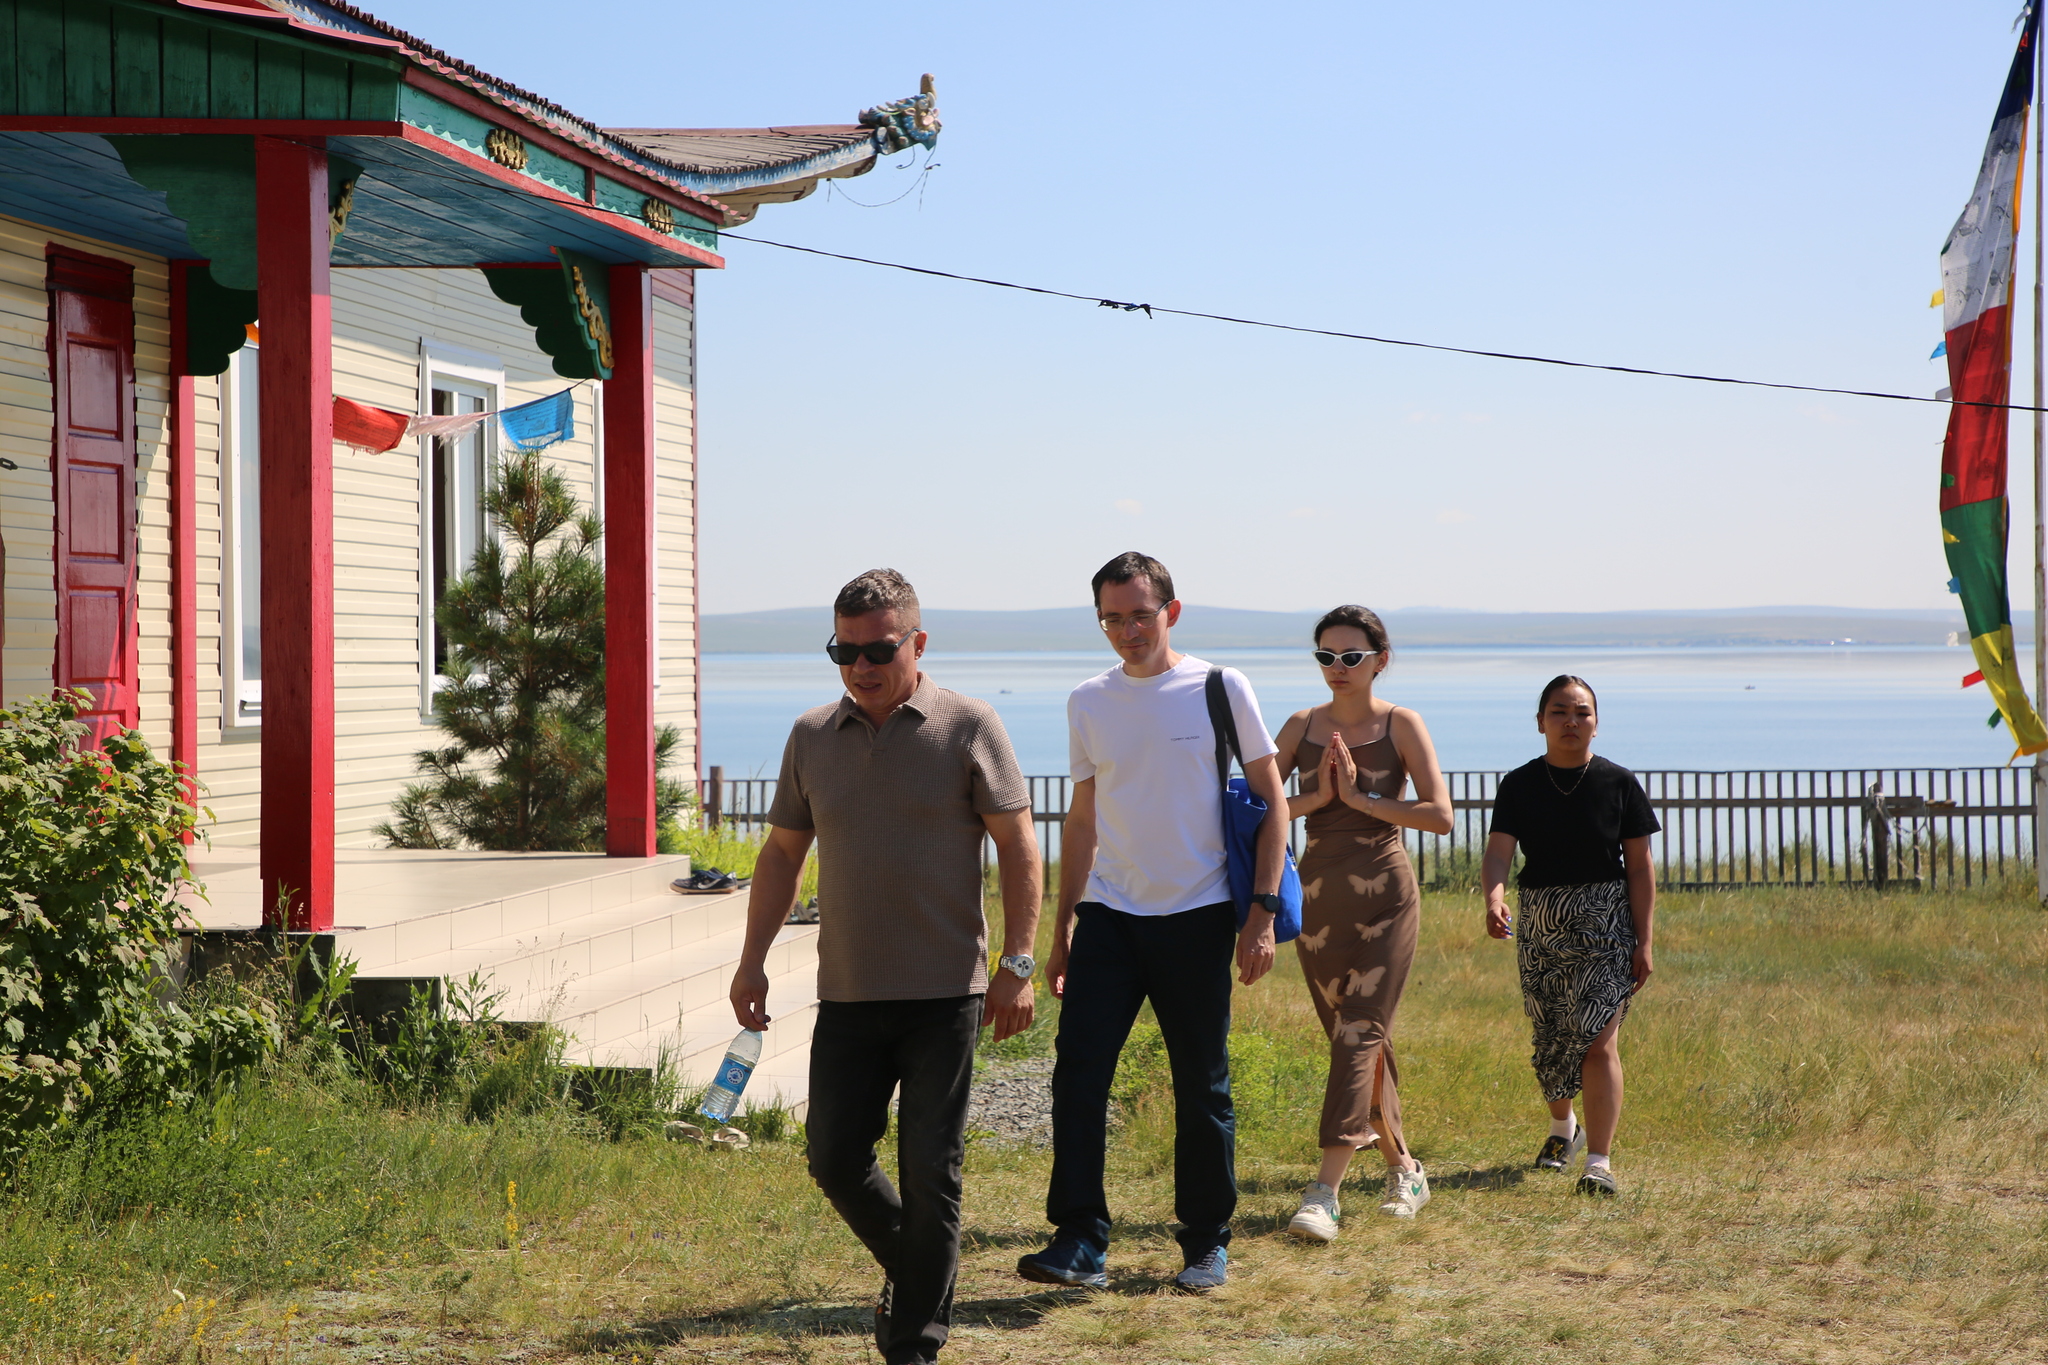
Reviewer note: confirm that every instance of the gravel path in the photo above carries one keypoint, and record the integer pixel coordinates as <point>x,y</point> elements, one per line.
<point>1012,1102</point>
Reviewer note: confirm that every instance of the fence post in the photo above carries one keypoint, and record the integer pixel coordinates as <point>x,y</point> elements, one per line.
<point>1880,836</point>
<point>714,797</point>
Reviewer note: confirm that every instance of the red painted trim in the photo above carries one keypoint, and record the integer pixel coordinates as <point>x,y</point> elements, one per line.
<point>296,395</point>
<point>701,206</point>
<point>629,569</point>
<point>67,123</point>
<point>184,545</point>
<point>526,185</point>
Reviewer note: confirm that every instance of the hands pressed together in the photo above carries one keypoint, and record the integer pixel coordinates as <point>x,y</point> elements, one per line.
<point>1336,776</point>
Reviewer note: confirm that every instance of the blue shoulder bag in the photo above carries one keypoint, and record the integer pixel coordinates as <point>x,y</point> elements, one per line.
<point>1243,813</point>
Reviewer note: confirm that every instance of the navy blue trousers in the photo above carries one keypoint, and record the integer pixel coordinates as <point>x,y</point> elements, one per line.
<point>1182,964</point>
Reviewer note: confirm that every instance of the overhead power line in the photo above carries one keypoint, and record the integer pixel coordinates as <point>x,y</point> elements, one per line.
<point>1155,310</point>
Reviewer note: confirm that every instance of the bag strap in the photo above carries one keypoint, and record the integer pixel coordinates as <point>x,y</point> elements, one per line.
<point>1225,725</point>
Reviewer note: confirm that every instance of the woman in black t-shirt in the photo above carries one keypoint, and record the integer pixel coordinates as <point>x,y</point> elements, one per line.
<point>1588,899</point>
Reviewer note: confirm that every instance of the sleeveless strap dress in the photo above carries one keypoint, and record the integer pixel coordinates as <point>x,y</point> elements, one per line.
<point>1359,915</point>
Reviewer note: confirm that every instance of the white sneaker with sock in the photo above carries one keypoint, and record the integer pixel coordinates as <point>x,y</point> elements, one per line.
<point>1317,1219</point>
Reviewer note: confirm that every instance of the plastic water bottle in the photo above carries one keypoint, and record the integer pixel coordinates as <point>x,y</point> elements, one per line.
<point>724,1095</point>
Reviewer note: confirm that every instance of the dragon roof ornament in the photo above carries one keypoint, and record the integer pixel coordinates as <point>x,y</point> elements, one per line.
<point>905,123</point>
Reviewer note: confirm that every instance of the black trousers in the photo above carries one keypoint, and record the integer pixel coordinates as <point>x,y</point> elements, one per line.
<point>1182,964</point>
<point>861,1052</point>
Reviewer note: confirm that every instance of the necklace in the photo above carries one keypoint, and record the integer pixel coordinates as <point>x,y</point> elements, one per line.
<point>1564,791</point>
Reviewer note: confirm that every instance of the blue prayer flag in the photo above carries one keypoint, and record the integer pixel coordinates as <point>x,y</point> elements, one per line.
<point>541,423</point>
<point>1940,350</point>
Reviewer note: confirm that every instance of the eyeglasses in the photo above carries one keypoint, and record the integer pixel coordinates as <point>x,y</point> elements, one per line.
<point>1350,658</point>
<point>876,652</point>
<point>1143,620</point>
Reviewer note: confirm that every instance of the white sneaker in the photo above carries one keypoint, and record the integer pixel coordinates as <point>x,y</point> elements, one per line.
<point>1317,1220</point>
<point>1407,1191</point>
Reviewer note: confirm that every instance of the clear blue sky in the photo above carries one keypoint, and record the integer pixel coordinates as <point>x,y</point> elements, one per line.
<point>1748,189</point>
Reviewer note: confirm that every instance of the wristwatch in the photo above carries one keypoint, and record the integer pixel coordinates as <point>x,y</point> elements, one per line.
<point>1020,965</point>
<point>1269,903</point>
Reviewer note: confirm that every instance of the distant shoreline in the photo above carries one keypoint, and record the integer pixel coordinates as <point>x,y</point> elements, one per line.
<point>799,630</point>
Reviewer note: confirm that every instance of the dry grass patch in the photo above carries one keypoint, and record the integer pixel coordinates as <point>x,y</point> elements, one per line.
<point>1836,1150</point>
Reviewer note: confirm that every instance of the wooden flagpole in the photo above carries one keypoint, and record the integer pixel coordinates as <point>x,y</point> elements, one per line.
<point>2040,505</point>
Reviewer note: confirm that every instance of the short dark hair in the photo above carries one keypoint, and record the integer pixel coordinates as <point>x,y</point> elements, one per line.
<point>1130,565</point>
<point>1358,618</point>
<point>879,590</point>
<point>1558,684</point>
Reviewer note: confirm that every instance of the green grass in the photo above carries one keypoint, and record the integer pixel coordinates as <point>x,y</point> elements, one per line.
<point>1835,1149</point>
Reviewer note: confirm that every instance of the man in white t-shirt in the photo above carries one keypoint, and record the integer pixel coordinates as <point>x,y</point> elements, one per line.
<point>1145,912</point>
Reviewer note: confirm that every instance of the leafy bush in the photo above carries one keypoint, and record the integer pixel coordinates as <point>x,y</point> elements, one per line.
<point>523,710</point>
<point>89,870</point>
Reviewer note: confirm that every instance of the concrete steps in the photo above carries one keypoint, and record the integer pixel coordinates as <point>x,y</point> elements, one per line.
<point>628,969</point>
<point>414,934</point>
<point>696,1038</point>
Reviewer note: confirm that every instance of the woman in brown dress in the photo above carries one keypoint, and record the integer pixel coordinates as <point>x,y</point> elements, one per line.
<point>1360,905</point>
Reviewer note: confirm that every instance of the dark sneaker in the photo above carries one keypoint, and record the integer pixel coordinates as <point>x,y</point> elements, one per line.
<point>1557,1153</point>
<point>709,882</point>
<point>1598,1180</point>
<point>1067,1260</point>
<point>1205,1272</point>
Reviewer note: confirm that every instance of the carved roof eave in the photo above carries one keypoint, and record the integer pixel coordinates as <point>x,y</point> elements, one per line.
<point>337,21</point>
<point>855,156</point>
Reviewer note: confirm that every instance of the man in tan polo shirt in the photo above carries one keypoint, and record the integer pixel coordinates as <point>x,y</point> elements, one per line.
<point>898,781</point>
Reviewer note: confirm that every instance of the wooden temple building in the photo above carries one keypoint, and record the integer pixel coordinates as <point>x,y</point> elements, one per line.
<point>216,218</point>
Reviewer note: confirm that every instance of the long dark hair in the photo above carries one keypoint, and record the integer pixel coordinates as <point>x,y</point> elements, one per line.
<point>1558,684</point>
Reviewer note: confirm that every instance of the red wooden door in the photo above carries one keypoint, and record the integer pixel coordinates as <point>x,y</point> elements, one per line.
<point>92,365</point>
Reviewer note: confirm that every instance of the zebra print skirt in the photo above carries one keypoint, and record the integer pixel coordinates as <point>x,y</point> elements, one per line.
<point>1576,948</point>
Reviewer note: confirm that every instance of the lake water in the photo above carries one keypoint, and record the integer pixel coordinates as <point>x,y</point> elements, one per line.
<point>1704,709</point>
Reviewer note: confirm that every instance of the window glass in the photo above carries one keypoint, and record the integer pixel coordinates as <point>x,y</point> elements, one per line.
<point>458,474</point>
<point>242,588</point>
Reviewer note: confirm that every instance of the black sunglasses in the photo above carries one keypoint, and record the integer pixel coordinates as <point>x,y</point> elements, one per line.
<point>1350,658</point>
<point>878,652</point>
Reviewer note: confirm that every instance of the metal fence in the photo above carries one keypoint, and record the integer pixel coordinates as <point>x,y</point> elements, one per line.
<point>1854,826</point>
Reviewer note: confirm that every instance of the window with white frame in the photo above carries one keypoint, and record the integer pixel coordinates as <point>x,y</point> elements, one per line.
<point>455,472</point>
<point>241,543</point>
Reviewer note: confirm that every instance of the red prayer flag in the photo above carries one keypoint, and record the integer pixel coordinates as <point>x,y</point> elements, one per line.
<point>367,428</point>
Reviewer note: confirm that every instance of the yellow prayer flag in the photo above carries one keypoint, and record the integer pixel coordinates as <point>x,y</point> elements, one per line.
<point>1940,296</point>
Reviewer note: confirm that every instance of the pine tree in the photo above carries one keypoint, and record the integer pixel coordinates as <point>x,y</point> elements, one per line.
<point>523,709</point>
